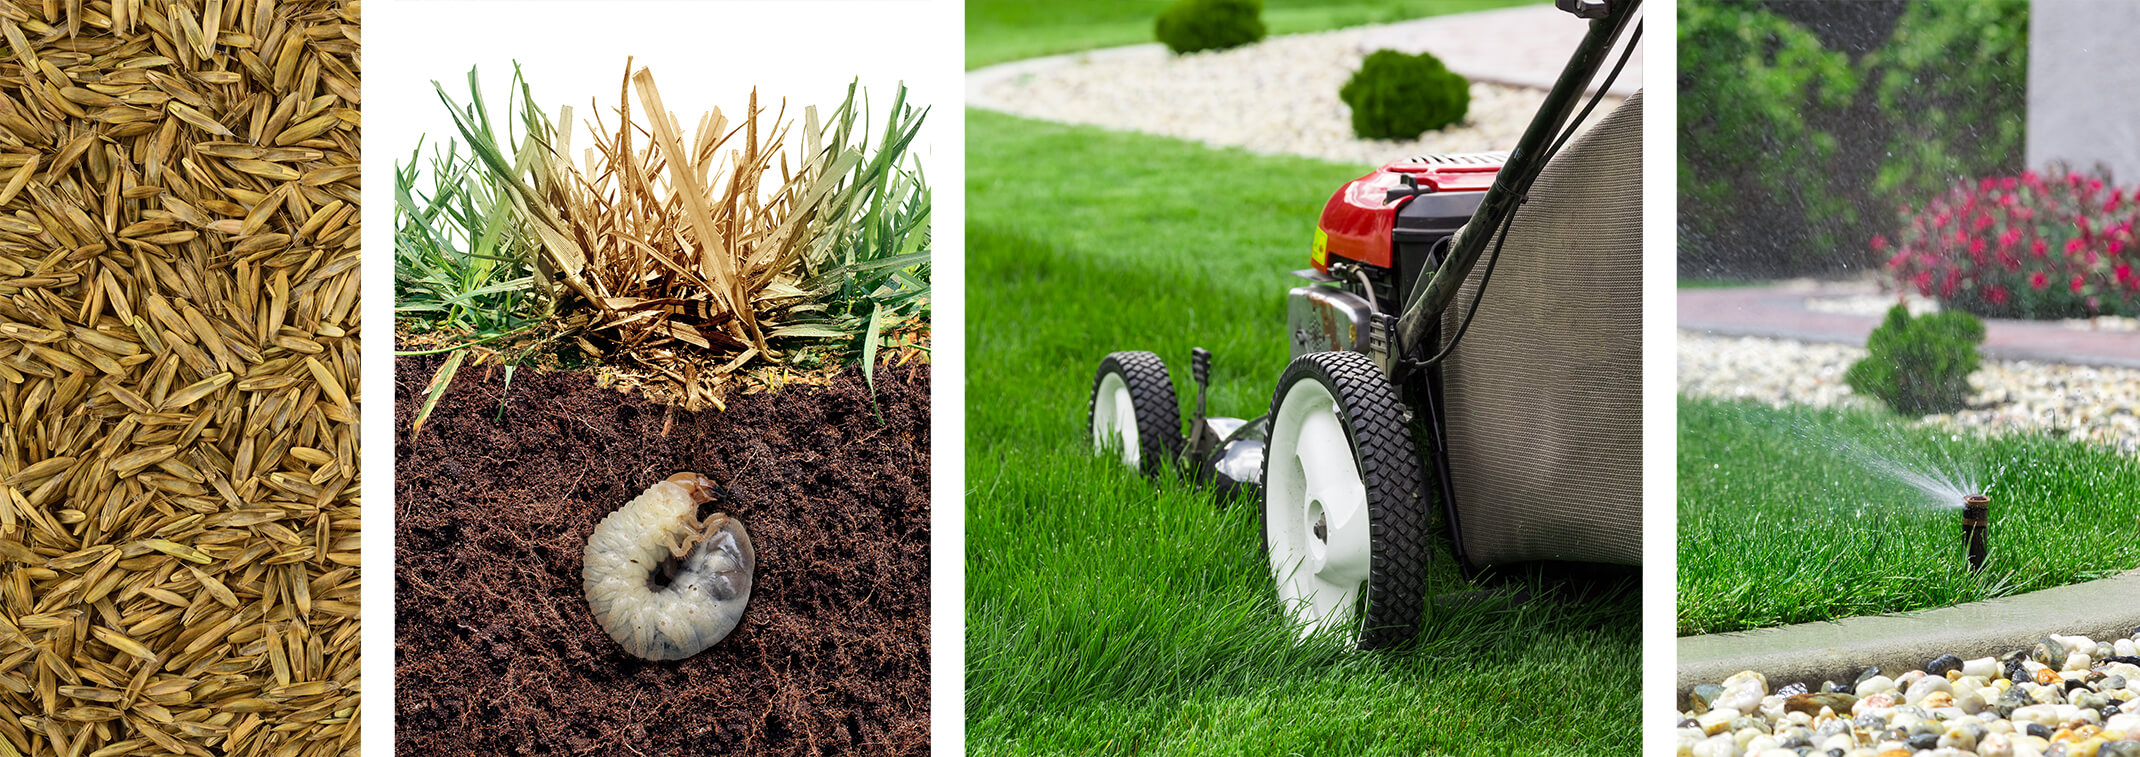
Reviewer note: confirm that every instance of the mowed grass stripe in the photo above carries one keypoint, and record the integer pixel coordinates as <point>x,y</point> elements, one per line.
<point>1777,526</point>
<point>1109,615</point>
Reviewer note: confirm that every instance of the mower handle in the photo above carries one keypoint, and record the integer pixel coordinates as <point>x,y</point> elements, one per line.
<point>1427,302</point>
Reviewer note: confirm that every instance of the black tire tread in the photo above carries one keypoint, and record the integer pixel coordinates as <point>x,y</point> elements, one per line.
<point>1151,391</point>
<point>1374,422</point>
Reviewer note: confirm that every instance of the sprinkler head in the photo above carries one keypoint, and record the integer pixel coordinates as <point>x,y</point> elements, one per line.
<point>1976,525</point>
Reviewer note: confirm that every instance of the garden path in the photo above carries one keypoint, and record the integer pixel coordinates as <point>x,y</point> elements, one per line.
<point>1785,311</point>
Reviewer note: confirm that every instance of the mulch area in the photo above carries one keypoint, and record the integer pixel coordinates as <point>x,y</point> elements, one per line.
<point>495,651</point>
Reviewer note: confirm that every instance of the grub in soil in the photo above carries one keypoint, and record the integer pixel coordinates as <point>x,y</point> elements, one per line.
<point>496,652</point>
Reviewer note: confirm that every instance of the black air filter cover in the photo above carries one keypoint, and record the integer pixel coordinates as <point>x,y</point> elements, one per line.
<point>1423,222</point>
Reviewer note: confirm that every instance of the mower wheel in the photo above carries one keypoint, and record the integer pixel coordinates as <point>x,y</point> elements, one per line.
<point>1133,412</point>
<point>1344,502</point>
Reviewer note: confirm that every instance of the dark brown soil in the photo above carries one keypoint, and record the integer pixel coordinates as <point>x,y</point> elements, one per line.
<point>495,652</point>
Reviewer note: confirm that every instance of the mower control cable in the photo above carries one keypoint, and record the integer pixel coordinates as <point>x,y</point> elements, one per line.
<point>1523,198</point>
<point>1367,288</point>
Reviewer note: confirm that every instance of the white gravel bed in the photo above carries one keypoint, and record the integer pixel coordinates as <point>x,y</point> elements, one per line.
<point>1277,97</point>
<point>2067,695</point>
<point>2098,404</point>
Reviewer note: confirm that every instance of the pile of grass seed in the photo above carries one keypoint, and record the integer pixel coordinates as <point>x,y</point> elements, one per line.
<point>178,361</point>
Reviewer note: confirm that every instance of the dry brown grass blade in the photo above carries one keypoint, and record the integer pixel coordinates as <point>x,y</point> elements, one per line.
<point>713,250</point>
<point>670,241</point>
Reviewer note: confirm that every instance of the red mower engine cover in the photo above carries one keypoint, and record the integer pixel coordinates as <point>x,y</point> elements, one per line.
<point>1361,222</point>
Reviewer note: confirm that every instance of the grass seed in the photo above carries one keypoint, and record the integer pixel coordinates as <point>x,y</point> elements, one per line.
<point>178,282</point>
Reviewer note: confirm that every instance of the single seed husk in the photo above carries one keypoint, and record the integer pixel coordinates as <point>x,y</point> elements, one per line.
<point>179,228</point>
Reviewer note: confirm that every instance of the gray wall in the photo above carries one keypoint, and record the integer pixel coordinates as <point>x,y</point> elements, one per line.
<point>2084,86</point>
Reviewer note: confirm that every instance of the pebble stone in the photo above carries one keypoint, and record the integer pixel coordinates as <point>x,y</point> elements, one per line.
<point>1276,97</point>
<point>2011,706</point>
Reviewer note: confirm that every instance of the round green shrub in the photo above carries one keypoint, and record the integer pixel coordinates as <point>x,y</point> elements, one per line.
<point>1921,365</point>
<point>1192,25</point>
<point>1399,96</point>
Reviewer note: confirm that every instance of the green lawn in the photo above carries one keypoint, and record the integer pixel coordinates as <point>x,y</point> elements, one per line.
<point>1006,30</point>
<point>1106,615</point>
<point>1778,525</point>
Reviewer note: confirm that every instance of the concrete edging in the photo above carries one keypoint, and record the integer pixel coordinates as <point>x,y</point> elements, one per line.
<point>1837,650</point>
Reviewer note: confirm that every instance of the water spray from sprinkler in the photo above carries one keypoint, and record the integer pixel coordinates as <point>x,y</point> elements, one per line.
<point>1976,524</point>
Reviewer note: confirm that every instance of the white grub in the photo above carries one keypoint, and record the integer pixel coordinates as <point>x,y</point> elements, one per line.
<point>663,583</point>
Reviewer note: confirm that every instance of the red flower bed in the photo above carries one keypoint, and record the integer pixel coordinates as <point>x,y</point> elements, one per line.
<point>2028,246</point>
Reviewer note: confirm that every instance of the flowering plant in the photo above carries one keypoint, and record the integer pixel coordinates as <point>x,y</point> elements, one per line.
<point>2031,246</point>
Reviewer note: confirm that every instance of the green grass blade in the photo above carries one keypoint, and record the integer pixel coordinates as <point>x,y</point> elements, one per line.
<point>440,381</point>
<point>869,349</point>
<point>506,390</point>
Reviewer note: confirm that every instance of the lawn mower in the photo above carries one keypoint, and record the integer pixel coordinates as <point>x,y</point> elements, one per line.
<point>1532,430</point>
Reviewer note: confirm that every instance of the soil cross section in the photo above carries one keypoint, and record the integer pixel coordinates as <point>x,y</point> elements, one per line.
<point>497,652</point>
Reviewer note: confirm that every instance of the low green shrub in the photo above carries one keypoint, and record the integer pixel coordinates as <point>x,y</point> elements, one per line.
<point>1399,96</point>
<point>1192,25</point>
<point>1919,365</point>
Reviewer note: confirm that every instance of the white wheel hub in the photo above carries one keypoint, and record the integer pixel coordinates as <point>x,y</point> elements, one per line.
<point>1114,420</point>
<point>1315,502</point>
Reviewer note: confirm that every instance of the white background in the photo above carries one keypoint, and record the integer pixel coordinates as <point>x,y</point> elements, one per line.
<point>704,54</point>
<point>1660,379</point>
